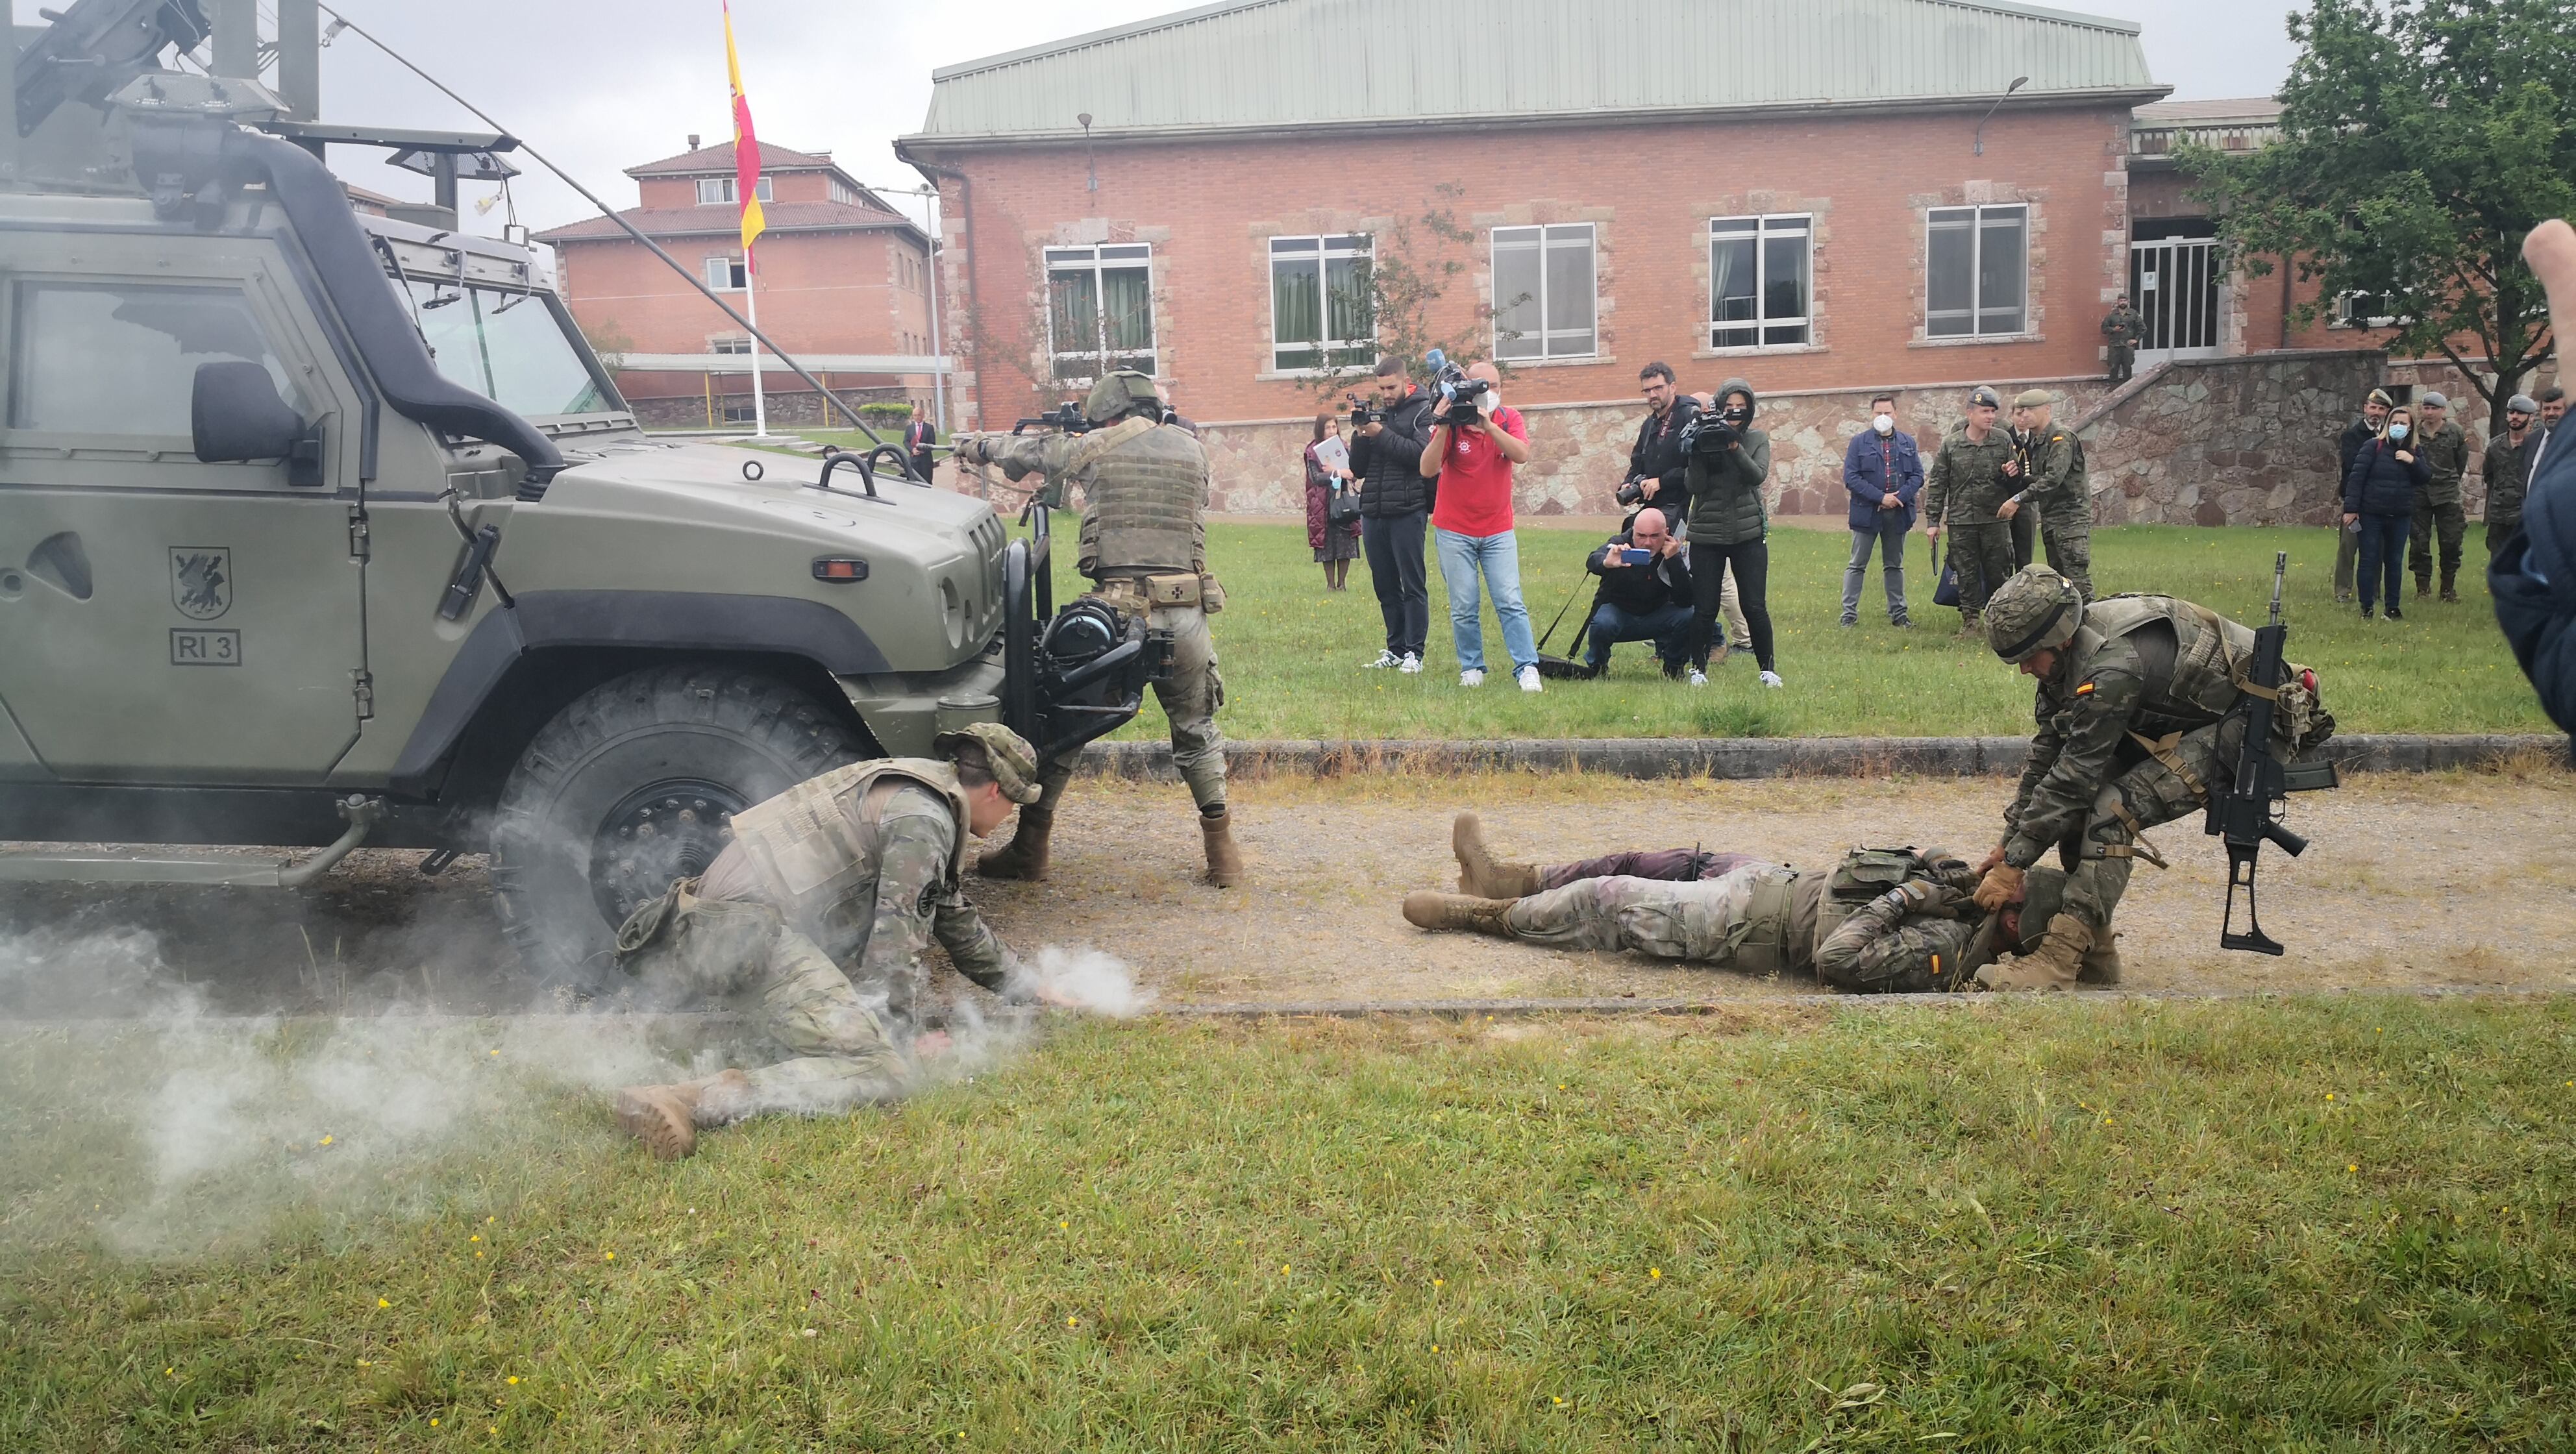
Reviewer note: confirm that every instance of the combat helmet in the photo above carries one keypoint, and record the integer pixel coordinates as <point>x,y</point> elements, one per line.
<point>1007,753</point>
<point>2036,610</point>
<point>1119,392</point>
<point>2043,895</point>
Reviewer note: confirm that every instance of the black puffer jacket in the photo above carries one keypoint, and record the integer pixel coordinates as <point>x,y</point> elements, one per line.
<point>1657,454</point>
<point>1389,467</point>
<point>1726,489</point>
<point>2379,483</point>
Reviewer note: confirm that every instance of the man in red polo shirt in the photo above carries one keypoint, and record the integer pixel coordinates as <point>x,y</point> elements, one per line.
<point>1471,526</point>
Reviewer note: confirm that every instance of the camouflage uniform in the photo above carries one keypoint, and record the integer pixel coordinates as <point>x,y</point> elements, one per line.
<point>2506,482</point>
<point>2124,330</point>
<point>858,866</point>
<point>1966,484</point>
<point>1764,918</point>
<point>2054,485</point>
<point>1144,539</point>
<point>2438,510</point>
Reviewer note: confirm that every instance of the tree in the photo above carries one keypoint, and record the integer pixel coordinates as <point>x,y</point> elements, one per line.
<point>1416,261</point>
<point>609,341</point>
<point>2419,142</point>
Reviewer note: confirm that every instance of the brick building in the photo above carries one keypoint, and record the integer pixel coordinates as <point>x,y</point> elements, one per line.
<point>844,285</point>
<point>1810,195</point>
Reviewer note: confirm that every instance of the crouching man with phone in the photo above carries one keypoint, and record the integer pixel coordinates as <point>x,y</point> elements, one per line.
<point>1645,595</point>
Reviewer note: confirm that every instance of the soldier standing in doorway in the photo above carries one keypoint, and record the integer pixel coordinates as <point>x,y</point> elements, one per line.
<point>2124,330</point>
<point>2438,511</point>
<point>1144,539</point>
<point>2049,464</point>
<point>1966,485</point>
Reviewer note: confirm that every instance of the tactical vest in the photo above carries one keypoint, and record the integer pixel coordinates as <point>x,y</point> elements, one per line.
<point>1863,875</point>
<point>2211,657</point>
<point>1769,938</point>
<point>815,848</point>
<point>1145,491</point>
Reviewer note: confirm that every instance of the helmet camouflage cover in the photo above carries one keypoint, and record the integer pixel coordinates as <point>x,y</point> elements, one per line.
<point>2035,611</point>
<point>1014,762</point>
<point>1118,392</point>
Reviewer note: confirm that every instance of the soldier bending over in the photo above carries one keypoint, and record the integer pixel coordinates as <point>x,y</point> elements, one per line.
<point>856,867</point>
<point>1886,919</point>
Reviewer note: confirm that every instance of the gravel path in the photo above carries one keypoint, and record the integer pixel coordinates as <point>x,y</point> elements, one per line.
<point>2449,880</point>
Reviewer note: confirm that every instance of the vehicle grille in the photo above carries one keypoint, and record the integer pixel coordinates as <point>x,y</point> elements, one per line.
<point>990,541</point>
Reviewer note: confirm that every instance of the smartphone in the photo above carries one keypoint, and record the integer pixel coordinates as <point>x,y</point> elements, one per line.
<point>1633,556</point>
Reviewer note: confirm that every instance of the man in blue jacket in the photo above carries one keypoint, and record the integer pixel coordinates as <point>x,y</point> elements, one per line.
<point>2534,577</point>
<point>1884,472</point>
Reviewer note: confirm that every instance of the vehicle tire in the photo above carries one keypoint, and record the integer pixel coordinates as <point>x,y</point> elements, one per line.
<point>632,786</point>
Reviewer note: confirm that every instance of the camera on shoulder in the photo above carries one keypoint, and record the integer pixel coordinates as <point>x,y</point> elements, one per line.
<point>1710,433</point>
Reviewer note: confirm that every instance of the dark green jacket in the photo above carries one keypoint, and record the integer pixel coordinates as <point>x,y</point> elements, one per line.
<point>2505,461</point>
<point>2447,451</point>
<point>1726,492</point>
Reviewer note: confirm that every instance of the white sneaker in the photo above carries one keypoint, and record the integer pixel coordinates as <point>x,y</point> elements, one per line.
<point>1698,678</point>
<point>1411,665</point>
<point>1529,680</point>
<point>1384,659</point>
<point>1472,677</point>
<point>1770,679</point>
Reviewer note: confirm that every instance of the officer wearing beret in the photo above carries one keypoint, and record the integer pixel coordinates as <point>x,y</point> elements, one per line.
<point>2048,463</point>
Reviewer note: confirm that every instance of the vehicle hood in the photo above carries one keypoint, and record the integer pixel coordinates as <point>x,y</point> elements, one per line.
<point>708,483</point>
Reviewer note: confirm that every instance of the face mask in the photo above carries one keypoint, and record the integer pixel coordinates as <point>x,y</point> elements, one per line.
<point>1884,424</point>
<point>2397,431</point>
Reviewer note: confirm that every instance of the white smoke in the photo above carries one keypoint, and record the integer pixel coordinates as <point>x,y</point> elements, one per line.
<point>1086,979</point>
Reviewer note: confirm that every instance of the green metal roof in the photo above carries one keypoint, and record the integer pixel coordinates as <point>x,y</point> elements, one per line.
<point>1269,65</point>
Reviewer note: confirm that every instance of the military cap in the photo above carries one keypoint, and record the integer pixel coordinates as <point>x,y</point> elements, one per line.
<point>1981,394</point>
<point>2031,399</point>
<point>2380,398</point>
<point>2433,400</point>
<point>1118,392</point>
<point>2521,404</point>
<point>2036,610</point>
<point>2043,895</point>
<point>1014,762</point>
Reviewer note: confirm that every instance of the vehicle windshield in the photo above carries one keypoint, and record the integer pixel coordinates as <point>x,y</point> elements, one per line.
<point>507,347</point>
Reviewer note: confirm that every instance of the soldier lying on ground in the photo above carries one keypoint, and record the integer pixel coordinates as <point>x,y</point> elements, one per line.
<point>857,867</point>
<point>1888,919</point>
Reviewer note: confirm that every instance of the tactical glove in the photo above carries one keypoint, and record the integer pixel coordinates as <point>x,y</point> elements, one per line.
<point>2001,885</point>
<point>1922,896</point>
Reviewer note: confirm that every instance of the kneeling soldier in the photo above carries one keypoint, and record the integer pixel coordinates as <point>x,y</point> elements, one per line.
<point>856,867</point>
<point>1885,919</point>
<point>2136,708</point>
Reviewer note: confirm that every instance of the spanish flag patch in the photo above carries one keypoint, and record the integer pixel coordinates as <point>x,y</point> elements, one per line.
<point>2084,689</point>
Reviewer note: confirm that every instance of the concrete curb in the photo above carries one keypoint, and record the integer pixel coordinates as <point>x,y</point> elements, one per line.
<point>1738,758</point>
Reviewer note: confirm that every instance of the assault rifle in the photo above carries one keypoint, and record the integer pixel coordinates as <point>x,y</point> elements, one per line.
<point>2246,811</point>
<point>1066,416</point>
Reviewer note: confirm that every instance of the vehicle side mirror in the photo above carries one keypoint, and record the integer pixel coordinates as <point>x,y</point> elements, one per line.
<point>235,415</point>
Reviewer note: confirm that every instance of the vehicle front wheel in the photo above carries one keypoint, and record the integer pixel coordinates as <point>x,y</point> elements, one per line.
<point>635,785</point>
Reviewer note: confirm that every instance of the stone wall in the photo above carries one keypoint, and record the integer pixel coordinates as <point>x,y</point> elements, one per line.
<point>2227,441</point>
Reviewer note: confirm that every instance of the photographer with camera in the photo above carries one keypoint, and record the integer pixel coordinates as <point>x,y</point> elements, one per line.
<point>1476,439</point>
<point>1645,594</point>
<point>1388,431</point>
<point>1729,461</point>
<point>1655,463</point>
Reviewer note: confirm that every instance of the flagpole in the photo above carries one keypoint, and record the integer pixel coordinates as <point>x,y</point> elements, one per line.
<point>751,311</point>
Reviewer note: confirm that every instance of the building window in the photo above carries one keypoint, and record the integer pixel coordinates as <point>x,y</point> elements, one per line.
<point>712,190</point>
<point>840,192</point>
<point>1100,310</point>
<point>1544,305</point>
<point>1976,278</point>
<point>743,413</point>
<point>1758,274</point>
<point>729,343</point>
<point>2362,310</point>
<point>727,275</point>
<point>1322,312</point>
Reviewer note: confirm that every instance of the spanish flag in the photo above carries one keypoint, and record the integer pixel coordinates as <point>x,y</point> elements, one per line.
<point>746,147</point>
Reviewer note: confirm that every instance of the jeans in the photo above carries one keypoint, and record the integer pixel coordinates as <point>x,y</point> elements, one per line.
<point>1889,540</point>
<point>1666,626</point>
<point>2383,557</point>
<point>1672,865</point>
<point>1498,558</point>
<point>1393,545</point>
<point>1751,563</point>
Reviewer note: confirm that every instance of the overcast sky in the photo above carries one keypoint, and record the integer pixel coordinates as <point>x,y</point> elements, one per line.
<point>602,85</point>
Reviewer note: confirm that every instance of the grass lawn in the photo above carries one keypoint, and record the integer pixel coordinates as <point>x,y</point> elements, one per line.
<point>1292,653</point>
<point>2221,1226</point>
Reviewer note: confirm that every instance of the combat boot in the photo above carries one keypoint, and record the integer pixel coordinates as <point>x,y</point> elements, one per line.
<point>2451,588</point>
<point>1971,624</point>
<point>2056,964</point>
<point>1225,862</point>
<point>2101,962</point>
<point>1432,909</point>
<point>1025,856</point>
<point>1478,874</point>
<point>666,1117</point>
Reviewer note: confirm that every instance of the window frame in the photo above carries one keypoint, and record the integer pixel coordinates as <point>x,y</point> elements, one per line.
<point>728,190</point>
<point>302,391</point>
<point>1323,350</point>
<point>729,345</point>
<point>1761,324</point>
<point>1546,335</point>
<point>735,268</point>
<point>1055,260</point>
<point>1977,308</point>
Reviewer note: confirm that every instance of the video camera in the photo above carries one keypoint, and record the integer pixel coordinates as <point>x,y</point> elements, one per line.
<point>1710,433</point>
<point>1632,490</point>
<point>1460,391</point>
<point>1362,415</point>
<point>1066,416</point>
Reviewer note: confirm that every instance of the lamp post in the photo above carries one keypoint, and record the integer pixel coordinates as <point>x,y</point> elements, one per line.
<point>2017,83</point>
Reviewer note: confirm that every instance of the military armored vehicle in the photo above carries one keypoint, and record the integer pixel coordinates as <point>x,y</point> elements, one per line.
<point>320,529</point>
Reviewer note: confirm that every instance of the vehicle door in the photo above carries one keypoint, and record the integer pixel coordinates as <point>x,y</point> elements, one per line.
<point>164,619</point>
